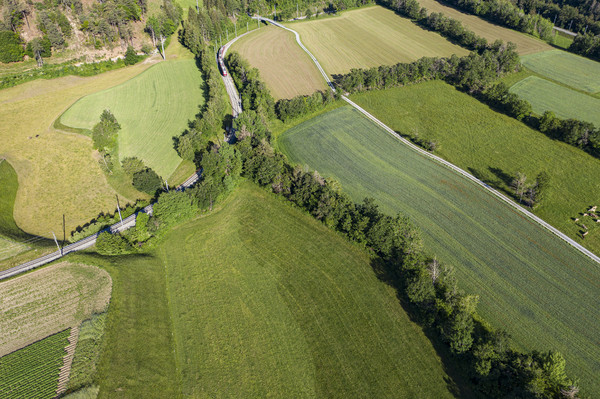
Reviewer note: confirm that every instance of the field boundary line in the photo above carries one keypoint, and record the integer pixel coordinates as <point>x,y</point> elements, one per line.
<point>442,161</point>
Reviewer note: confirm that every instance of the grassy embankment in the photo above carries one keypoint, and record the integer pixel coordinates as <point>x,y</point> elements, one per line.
<point>524,274</point>
<point>370,37</point>
<point>257,299</point>
<point>286,69</point>
<point>15,246</point>
<point>525,44</point>
<point>151,109</point>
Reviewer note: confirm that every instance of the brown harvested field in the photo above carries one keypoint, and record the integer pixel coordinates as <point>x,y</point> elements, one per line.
<point>50,300</point>
<point>57,171</point>
<point>370,37</point>
<point>286,69</point>
<point>525,44</point>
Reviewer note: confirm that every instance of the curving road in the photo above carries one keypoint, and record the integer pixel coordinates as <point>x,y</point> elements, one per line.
<point>442,161</point>
<point>234,97</point>
<point>236,106</point>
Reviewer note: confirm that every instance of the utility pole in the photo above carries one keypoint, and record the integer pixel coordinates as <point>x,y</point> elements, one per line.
<point>64,231</point>
<point>119,209</point>
<point>167,185</point>
<point>197,8</point>
<point>56,241</point>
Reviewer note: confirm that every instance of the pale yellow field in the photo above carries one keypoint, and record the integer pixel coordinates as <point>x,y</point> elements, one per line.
<point>50,300</point>
<point>57,171</point>
<point>370,37</point>
<point>525,44</point>
<point>286,69</point>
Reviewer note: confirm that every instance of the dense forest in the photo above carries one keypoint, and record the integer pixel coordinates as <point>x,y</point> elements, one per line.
<point>38,29</point>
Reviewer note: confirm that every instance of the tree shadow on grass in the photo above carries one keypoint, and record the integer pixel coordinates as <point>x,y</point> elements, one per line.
<point>456,379</point>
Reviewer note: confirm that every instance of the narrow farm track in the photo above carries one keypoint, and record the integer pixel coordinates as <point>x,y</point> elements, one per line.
<point>442,161</point>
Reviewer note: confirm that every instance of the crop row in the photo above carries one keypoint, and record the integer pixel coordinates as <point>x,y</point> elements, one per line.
<point>32,372</point>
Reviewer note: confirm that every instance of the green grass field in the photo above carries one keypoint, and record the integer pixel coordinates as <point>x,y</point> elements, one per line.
<point>151,108</point>
<point>32,372</point>
<point>286,69</point>
<point>543,292</point>
<point>267,302</point>
<point>575,71</point>
<point>492,146</point>
<point>137,359</point>
<point>564,102</point>
<point>257,299</point>
<point>369,37</point>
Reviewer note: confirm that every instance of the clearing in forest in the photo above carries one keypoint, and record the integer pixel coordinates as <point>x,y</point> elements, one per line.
<point>57,172</point>
<point>564,102</point>
<point>570,69</point>
<point>525,44</point>
<point>151,108</point>
<point>49,300</point>
<point>286,69</point>
<point>524,274</point>
<point>370,37</point>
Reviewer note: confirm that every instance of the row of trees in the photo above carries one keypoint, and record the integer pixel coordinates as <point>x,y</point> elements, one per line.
<point>472,73</point>
<point>209,122</point>
<point>574,15</point>
<point>508,14</point>
<point>586,45</point>
<point>496,369</point>
<point>476,74</point>
<point>302,105</point>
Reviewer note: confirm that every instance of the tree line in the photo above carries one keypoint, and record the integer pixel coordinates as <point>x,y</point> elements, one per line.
<point>494,368</point>
<point>533,19</point>
<point>104,23</point>
<point>574,15</point>
<point>475,74</point>
<point>492,365</point>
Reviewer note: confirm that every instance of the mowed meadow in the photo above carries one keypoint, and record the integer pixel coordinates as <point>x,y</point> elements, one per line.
<point>524,274</point>
<point>370,37</point>
<point>570,69</point>
<point>525,44</point>
<point>285,68</point>
<point>544,95</point>
<point>57,171</point>
<point>494,147</point>
<point>151,109</point>
<point>257,299</point>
